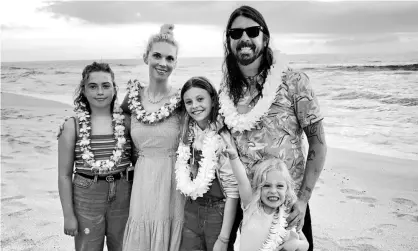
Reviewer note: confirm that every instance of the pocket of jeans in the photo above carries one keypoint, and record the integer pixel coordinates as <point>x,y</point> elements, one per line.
<point>82,182</point>
<point>220,207</point>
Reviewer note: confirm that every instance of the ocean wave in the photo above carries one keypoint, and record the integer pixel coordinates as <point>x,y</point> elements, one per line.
<point>389,67</point>
<point>401,101</point>
<point>61,72</point>
<point>15,68</point>
<point>382,98</point>
<point>357,95</point>
<point>31,72</point>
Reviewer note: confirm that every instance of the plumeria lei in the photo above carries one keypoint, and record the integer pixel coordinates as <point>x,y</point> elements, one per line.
<point>245,122</point>
<point>143,116</point>
<point>101,166</point>
<point>200,184</point>
<point>277,232</point>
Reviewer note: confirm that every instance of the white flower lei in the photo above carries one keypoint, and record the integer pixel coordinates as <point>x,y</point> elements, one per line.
<point>277,232</point>
<point>149,117</point>
<point>245,122</point>
<point>101,166</point>
<point>200,185</point>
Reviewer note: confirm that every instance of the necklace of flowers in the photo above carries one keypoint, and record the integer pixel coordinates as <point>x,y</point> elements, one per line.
<point>101,166</point>
<point>245,122</point>
<point>149,117</point>
<point>200,184</point>
<point>277,232</point>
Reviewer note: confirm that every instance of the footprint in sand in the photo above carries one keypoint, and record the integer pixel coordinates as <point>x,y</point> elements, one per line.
<point>17,171</point>
<point>381,228</point>
<point>43,149</point>
<point>53,194</point>
<point>20,212</point>
<point>404,202</point>
<point>363,199</point>
<point>410,217</point>
<point>367,247</point>
<point>43,223</point>
<point>12,198</point>
<point>352,191</point>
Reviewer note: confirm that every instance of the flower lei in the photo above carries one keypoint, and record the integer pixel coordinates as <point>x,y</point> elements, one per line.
<point>277,232</point>
<point>245,122</point>
<point>200,184</point>
<point>149,117</point>
<point>101,166</point>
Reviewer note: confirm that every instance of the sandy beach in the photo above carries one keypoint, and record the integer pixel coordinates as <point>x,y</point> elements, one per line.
<point>361,202</point>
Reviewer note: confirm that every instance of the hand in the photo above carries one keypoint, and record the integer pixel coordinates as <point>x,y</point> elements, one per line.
<point>230,147</point>
<point>291,245</point>
<point>220,246</point>
<point>297,215</point>
<point>71,225</point>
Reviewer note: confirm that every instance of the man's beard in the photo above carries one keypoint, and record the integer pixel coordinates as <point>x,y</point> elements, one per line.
<point>246,59</point>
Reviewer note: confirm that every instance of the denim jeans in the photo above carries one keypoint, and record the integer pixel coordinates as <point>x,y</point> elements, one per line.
<point>102,209</point>
<point>202,225</point>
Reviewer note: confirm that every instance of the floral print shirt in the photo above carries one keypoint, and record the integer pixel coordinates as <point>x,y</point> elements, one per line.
<point>279,133</point>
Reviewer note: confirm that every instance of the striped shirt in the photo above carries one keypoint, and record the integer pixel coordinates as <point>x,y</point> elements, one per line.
<point>102,147</point>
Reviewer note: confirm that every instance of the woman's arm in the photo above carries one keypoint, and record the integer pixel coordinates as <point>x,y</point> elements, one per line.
<point>66,146</point>
<point>125,104</point>
<point>227,223</point>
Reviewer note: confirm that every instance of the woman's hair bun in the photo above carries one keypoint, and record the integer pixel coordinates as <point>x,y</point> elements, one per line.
<point>167,29</point>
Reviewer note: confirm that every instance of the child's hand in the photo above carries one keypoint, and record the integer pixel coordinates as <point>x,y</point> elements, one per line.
<point>291,245</point>
<point>294,242</point>
<point>220,246</point>
<point>230,149</point>
<point>71,225</point>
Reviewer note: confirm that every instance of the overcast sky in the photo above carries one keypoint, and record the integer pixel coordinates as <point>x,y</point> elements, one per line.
<point>37,30</point>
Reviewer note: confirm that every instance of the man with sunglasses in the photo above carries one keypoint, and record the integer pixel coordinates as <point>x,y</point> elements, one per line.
<point>267,107</point>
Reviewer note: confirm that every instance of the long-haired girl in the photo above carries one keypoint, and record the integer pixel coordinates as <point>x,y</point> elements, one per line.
<point>95,146</point>
<point>203,172</point>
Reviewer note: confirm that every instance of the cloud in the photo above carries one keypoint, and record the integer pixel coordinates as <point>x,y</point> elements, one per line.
<point>282,17</point>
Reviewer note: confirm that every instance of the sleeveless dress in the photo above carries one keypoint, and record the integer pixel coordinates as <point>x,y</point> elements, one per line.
<point>156,213</point>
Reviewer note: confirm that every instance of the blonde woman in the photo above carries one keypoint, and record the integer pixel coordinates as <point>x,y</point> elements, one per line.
<point>157,208</point>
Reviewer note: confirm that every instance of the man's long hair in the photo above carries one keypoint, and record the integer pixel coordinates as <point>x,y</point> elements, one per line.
<point>232,76</point>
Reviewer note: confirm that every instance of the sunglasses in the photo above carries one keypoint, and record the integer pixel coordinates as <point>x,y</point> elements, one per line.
<point>251,32</point>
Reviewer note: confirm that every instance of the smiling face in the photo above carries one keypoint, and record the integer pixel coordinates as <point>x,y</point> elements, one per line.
<point>198,105</point>
<point>99,89</point>
<point>246,49</point>
<point>273,192</point>
<point>161,60</point>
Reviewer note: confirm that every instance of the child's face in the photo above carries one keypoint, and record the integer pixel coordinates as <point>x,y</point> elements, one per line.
<point>273,193</point>
<point>99,89</point>
<point>198,105</point>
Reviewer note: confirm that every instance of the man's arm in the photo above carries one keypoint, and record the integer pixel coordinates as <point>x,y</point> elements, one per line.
<point>314,165</point>
<point>315,161</point>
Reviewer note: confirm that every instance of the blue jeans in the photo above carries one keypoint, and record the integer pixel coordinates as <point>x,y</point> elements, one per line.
<point>102,209</point>
<point>202,224</point>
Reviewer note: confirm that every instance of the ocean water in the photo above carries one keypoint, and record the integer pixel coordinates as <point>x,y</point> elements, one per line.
<point>370,102</point>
